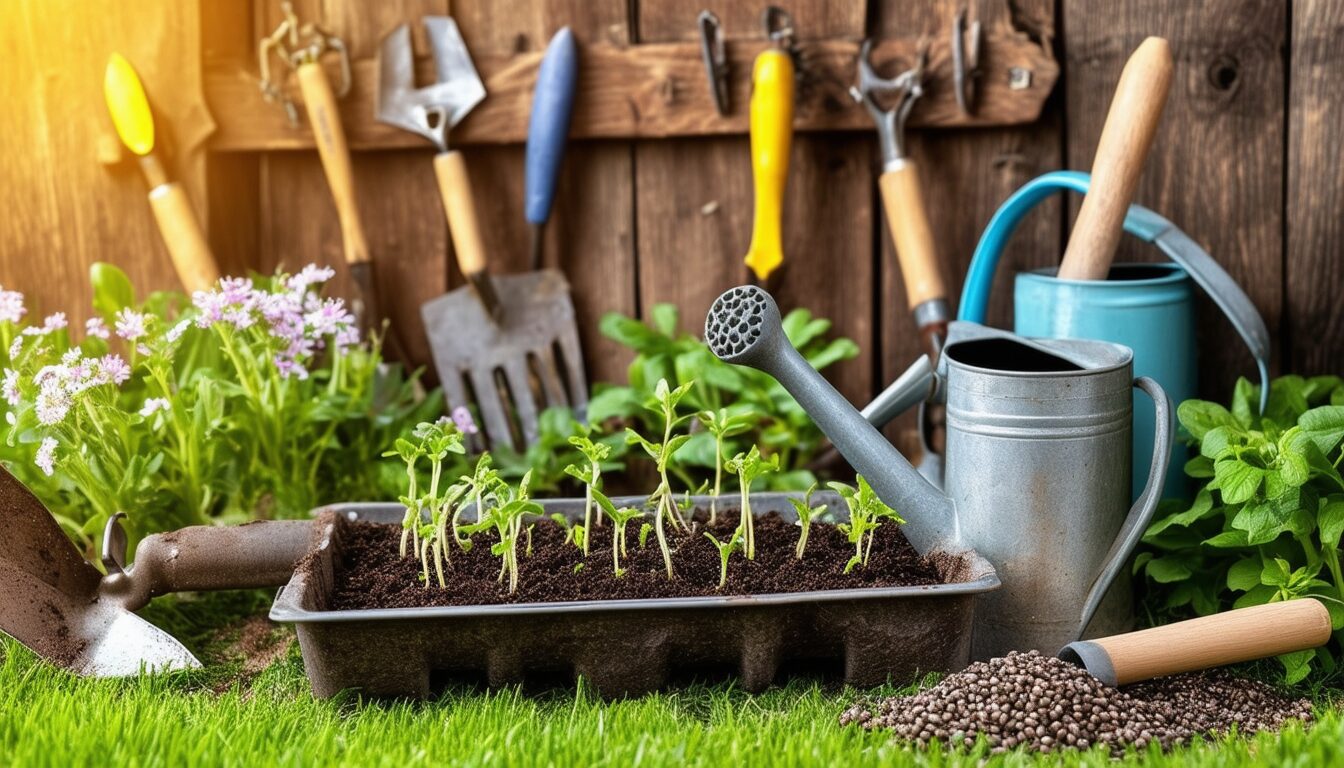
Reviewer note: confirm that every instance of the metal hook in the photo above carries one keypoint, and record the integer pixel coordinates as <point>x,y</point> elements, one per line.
<point>296,44</point>
<point>965,63</point>
<point>778,27</point>
<point>715,57</point>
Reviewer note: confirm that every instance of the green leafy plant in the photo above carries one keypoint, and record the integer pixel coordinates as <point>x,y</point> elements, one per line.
<point>590,474</point>
<point>866,513</point>
<point>748,466</point>
<point>726,549</point>
<point>554,451</point>
<point>661,500</point>
<point>507,516</point>
<point>775,420</point>
<point>1266,523</point>
<point>256,398</point>
<point>807,514</point>
<point>721,426</point>
<point>620,518</point>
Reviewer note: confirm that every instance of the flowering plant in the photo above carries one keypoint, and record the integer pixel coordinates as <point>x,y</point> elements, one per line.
<point>256,398</point>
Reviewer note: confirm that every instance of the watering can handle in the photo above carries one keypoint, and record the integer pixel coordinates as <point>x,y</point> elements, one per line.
<point>1141,222</point>
<point>1142,512</point>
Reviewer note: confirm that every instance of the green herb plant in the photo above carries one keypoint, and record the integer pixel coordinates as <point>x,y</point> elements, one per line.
<point>807,514</point>
<point>661,501</point>
<point>721,426</point>
<point>590,474</point>
<point>726,549</point>
<point>866,513</point>
<point>748,466</point>
<point>620,518</point>
<point>1265,524</point>
<point>507,516</point>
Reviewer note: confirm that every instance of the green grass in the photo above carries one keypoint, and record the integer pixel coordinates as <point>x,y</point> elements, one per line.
<point>212,717</point>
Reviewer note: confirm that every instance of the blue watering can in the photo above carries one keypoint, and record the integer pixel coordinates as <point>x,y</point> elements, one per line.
<point>1146,307</point>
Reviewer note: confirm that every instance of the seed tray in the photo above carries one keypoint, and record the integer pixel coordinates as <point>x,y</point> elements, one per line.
<point>628,647</point>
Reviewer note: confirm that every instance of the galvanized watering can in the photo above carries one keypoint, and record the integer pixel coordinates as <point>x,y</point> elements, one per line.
<point>1146,307</point>
<point>1038,464</point>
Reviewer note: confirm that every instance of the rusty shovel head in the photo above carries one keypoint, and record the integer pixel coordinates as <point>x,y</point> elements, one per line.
<point>432,110</point>
<point>528,360</point>
<point>49,599</point>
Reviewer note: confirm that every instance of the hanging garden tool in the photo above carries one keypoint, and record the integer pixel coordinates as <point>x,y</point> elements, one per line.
<point>302,47</point>
<point>771,113</point>
<point>903,202</point>
<point>129,106</point>
<point>547,130</point>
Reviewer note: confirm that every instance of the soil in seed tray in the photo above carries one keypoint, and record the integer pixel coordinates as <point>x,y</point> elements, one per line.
<point>1044,704</point>
<point>371,574</point>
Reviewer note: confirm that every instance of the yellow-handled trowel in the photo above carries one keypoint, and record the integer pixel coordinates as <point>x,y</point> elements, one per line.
<point>771,114</point>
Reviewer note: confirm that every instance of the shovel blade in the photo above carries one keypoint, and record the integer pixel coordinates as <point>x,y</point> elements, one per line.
<point>529,360</point>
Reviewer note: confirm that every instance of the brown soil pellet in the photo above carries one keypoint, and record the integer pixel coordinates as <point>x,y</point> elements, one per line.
<point>371,574</point>
<point>1046,704</point>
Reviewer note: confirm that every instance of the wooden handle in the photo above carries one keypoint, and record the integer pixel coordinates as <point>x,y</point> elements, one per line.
<point>465,228</point>
<point>320,102</point>
<point>903,201</point>
<point>1212,641</point>
<point>1130,125</point>
<point>192,258</point>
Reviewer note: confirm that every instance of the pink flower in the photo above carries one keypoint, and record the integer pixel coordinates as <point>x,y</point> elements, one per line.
<point>10,386</point>
<point>11,306</point>
<point>96,328</point>
<point>16,347</point>
<point>154,405</point>
<point>177,330</point>
<point>114,368</point>
<point>53,322</point>
<point>309,276</point>
<point>462,418</point>
<point>53,402</point>
<point>130,324</point>
<point>46,456</point>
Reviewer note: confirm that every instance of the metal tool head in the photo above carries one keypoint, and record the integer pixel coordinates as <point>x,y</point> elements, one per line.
<point>50,604</point>
<point>511,369</point>
<point>715,57</point>
<point>901,91</point>
<point>432,110</point>
<point>295,44</point>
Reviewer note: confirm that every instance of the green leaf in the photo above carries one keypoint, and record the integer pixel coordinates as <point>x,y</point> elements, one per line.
<point>1216,441</point>
<point>1245,402</point>
<point>1257,596</point>
<point>1330,521</point>
<point>834,352</point>
<point>664,318</point>
<point>1200,467</point>
<point>1261,521</point>
<point>1296,665</point>
<point>1165,570</point>
<point>629,332</point>
<point>1324,425</point>
<point>698,451</point>
<point>1228,540</point>
<point>1200,416</point>
<point>1244,575</point>
<point>1276,573</point>
<point>1237,480</point>
<point>613,402</point>
<point>1287,400</point>
<point>112,290</point>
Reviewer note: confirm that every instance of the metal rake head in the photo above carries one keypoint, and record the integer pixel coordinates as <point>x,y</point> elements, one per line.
<point>432,110</point>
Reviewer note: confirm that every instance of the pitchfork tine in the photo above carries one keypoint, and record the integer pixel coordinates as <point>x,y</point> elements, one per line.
<point>578,387</point>
<point>492,408</point>
<point>550,381</point>
<point>520,387</point>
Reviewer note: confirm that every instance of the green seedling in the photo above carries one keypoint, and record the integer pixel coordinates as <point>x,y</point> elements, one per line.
<point>807,514</point>
<point>578,536</point>
<point>590,474</point>
<point>665,404</point>
<point>748,466</point>
<point>721,426</point>
<point>478,491</point>
<point>726,549</point>
<point>411,454</point>
<point>866,513</point>
<point>507,518</point>
<point>644,531</point>
<point>619,519</point>
<point>434,441</point>
<point>528,552</point>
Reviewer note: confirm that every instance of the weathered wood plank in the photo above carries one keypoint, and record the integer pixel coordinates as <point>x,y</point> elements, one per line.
<point>966,176</point>
<point>644,91</point>
<point>1315,244</point>
<point>1216,166</point>
<point>694,206</point>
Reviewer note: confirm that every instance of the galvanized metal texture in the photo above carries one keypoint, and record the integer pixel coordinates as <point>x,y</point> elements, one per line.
<point>627,647</point>
<point>533,349</point>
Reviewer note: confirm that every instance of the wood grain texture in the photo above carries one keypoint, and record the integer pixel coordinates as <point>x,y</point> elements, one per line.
<point>1216,165</point>
<point>694,208</point>
<point>1314,263</point>
<point>966,175</point>
<point>590,236</point>
<point>72,195</point>
<point>645,91</point>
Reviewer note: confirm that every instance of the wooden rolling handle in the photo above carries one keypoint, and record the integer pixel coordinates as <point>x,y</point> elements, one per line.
<point>1130,125</point>
<point>320,102</point>
<point>903,201</point>
<point>1210,641</point>
<point>455,186</point>
<point>192,258</point>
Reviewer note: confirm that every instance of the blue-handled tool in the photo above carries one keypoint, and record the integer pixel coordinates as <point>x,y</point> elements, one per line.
<point>547,130</point>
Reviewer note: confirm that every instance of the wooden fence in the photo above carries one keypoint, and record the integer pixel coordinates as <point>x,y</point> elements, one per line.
<point>655,200</point>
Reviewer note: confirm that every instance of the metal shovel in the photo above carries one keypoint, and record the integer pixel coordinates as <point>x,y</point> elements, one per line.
<point>508,343</point>
<point>65,611</point>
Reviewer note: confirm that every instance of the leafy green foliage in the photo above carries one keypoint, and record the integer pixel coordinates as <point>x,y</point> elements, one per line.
<point>1266,524</point>
<point>773,419</point>
<point>866,513</point>
<point>590,474</point>
<point>726,549</point>
<point>664,404</point>
<point>807,514</point>
<point>721,426</point>
<point>434,441</point>
<point>748,466</point>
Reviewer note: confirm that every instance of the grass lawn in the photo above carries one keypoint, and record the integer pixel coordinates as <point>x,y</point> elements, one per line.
<point>251,707</point>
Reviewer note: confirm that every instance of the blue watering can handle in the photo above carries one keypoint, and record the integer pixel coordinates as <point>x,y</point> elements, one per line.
<point>1141,222</point>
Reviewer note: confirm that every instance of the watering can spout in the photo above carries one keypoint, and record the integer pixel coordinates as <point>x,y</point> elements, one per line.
<point>744,328</point>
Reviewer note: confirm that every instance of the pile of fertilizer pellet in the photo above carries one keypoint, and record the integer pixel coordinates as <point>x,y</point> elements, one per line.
<point>1044,704</point>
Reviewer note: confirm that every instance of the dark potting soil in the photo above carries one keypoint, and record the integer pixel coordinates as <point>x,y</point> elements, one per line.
<point>1044,704</point>
<point>371,574</point>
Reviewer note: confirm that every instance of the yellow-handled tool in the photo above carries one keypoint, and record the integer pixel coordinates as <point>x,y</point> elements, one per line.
<point>771,111</point>
<point>129,107</point>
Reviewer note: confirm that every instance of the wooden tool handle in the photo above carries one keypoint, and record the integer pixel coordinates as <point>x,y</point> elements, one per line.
<point>1212,641</point>
<point>320,102</point>
<point>903,201</point>
<point>463,225</point>
<point>1130,125</point>
<point>192,258</point>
